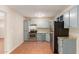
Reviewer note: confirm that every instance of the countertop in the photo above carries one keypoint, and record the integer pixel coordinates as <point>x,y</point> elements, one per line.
<point>44,30</point>
<point>66,38</point>
<point>73,34</point>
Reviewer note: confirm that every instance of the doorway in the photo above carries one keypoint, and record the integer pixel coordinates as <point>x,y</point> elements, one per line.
<point>2,31</point>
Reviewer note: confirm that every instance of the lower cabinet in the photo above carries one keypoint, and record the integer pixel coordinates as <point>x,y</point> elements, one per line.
<point>67,45</point>
<point>26,35</point>
<point>43,36</point>
<point>48,37</point>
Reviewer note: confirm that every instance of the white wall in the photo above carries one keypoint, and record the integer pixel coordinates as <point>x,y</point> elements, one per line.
<point>13,29</point>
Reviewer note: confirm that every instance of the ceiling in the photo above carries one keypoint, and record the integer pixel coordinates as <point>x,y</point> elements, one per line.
<point>44,10</point>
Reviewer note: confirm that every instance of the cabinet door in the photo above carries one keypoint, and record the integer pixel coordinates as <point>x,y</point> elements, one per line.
<point>48,37</point>
<point>73,17</point>
<point>69,46</point>
<point>25,30</point>
<point>41,36</point>
<point>66,20</point>
<point>60,50</point>
<point>78,14</point>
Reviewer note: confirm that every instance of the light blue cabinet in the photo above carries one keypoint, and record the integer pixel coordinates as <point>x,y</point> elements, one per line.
<point>48,37</point>
<point>78,15</point>
<point>73,17</point>
<point>25,30</point>
<point>26,35</point>
<point>67,45</point>
<point>41,36</point>
<point>66,19</point>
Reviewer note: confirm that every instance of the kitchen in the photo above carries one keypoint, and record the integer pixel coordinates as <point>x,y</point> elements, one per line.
<point>39,25</point>
<point>45,32</point>
<point>61,24</point>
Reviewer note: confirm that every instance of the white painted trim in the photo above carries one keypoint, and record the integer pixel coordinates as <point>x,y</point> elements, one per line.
<point>8,52</point>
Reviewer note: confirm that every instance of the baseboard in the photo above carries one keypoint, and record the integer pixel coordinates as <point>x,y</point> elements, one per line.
<point>13,48</point>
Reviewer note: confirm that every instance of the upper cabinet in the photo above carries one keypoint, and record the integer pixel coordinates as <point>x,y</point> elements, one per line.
<point>73,17</point>
<point>78,14</point>
<point>66,20</point>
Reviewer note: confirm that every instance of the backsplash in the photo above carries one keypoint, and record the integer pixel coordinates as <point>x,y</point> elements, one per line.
<point>76,30</point>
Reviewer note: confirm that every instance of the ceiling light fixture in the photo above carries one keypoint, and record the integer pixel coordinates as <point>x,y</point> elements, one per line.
<point>40,14</point>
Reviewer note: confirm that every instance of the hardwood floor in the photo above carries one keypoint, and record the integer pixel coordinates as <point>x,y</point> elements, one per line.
<point>1,45</point>
<point>33,48</point>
